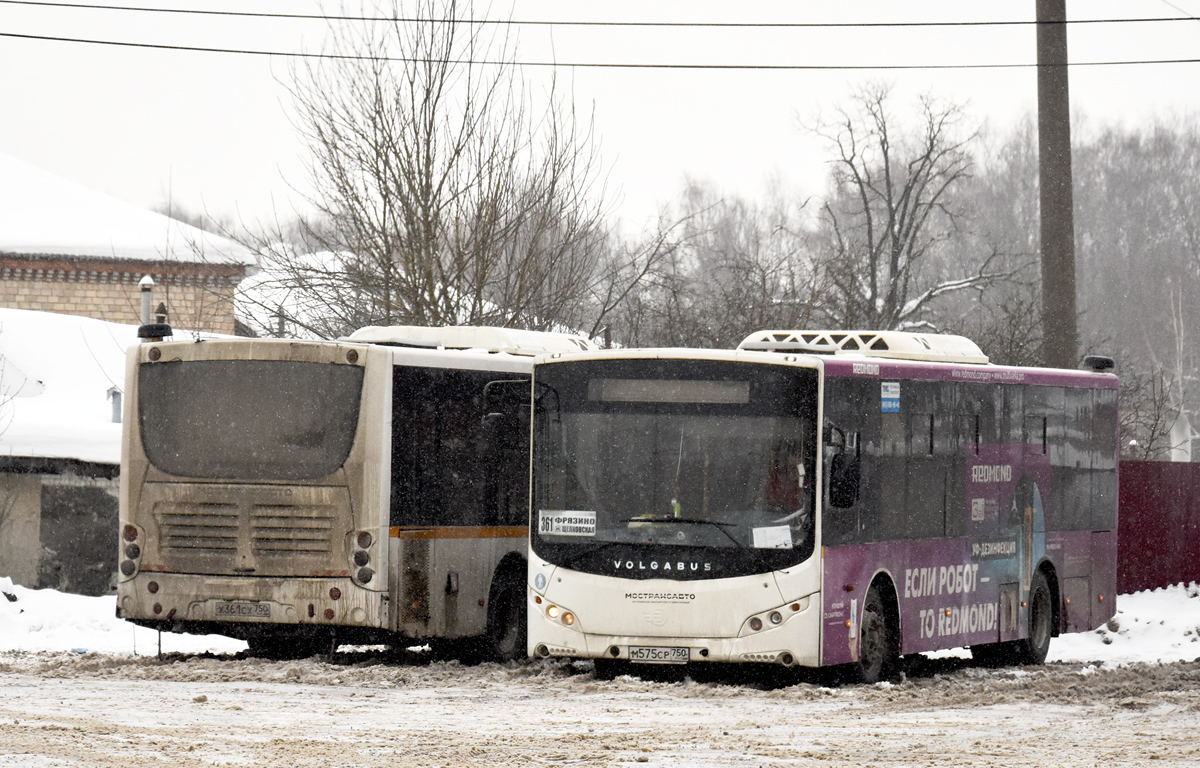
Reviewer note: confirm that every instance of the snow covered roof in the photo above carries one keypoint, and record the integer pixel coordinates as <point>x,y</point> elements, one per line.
<point>511,340</point>
<point>57,374</point>
<point>45,214</point>
<point>900,345</point>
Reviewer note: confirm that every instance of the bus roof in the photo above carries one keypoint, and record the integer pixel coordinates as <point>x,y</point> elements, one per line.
<point>898,345</point>
<point>491,339</point>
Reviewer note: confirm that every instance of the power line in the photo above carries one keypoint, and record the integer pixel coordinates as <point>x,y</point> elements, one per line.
<point>582,65</point>
<point>576,23</point>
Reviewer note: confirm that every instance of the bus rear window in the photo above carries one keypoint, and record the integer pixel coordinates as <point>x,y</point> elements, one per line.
<point>248,419</point>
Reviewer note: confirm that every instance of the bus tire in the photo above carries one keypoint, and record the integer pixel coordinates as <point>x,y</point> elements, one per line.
<point>878,641</point>
<point>506,627</point>
<point>1032,650</point>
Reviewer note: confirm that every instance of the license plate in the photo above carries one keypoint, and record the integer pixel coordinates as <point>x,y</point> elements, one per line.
<point>651,654</point>
<point>243,609</point>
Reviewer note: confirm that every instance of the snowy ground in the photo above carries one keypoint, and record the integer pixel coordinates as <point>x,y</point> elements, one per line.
<point>80,688</point>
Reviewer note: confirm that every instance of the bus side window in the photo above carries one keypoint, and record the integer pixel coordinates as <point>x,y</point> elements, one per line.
<point>1104,460</point>
<point>844,467</point>
<point>503,449</point>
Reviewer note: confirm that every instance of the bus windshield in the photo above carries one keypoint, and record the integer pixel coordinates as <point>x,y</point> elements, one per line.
<point>669,459</point>
<point>248,419</point>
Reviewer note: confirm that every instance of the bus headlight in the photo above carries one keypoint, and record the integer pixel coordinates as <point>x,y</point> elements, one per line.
<point>775,617</point>
<point>558,613</point>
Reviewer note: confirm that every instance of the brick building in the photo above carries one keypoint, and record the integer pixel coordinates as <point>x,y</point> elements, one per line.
<point>69,249</point>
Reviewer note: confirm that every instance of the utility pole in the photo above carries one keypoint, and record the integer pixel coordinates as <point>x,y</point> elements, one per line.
<point>1059,336</point>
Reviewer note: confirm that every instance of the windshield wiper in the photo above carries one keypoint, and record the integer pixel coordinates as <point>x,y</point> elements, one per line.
<point>572,560</point>
<point>687,521</point>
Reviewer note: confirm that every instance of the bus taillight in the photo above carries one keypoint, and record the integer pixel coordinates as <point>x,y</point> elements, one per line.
<point>362,557</point>
<point>130,533</point>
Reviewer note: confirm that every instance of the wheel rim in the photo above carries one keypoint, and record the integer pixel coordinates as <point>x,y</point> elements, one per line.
<point>872,644</point>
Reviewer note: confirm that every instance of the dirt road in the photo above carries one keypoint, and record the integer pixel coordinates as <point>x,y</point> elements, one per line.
<point>367,710</point>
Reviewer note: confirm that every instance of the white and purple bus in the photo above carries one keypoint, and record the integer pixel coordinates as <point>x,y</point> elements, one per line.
<point>817,499</point>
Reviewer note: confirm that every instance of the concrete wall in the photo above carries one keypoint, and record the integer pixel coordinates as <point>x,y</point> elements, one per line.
<point>20,527</point>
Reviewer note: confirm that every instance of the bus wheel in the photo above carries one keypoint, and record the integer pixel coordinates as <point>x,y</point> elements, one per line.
<point>878,649</point>
<point>506,620</point>
<point>1033,649</point>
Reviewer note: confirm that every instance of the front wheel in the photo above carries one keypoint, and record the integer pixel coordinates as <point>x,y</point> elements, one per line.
<point>506,631</point>
<point>878,641</point>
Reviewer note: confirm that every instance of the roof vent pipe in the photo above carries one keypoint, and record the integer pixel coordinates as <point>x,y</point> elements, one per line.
<point>149,330</point>
<point>1098,364</point>
<point>147,286</point>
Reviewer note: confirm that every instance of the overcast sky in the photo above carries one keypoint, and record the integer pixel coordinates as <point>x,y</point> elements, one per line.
<point>211,130</point>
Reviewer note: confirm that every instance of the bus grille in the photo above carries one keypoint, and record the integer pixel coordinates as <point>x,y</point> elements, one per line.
<point>274,529</point>
<point>287,529</point>
<point>201,528</point>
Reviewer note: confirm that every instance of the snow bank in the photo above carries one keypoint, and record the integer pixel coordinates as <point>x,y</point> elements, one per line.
<point>1158,626</point>
<point>46,620</point>
<point>1161,625</point>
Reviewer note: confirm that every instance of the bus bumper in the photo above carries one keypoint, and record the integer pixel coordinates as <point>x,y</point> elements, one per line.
<point>231,601</point>
<point>795,641</point>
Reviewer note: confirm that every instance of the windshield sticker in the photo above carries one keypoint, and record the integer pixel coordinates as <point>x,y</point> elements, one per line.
<point>890,397</point>
<point>773,537</point>
<point>566,522</point>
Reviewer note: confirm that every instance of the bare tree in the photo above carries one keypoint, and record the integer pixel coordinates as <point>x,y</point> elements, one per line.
<point>889,209</point>
<point>443,194</point>
<point>1147,415</point>
<point>737,267</point>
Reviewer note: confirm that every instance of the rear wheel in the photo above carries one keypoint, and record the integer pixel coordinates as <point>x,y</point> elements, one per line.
<point>506,630</point>
<point>878,641</point>
<point>1033,649</point>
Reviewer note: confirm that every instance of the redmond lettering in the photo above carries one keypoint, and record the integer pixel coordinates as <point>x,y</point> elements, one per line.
<point>986,473</point>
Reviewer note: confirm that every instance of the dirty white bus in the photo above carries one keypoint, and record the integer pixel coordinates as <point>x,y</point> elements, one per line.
<point>304,494</point>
